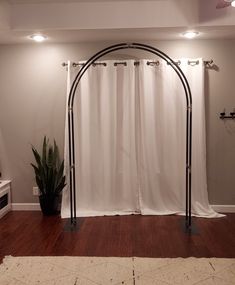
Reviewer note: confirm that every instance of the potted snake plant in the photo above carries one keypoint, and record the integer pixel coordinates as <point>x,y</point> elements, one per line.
<point>49,175</point>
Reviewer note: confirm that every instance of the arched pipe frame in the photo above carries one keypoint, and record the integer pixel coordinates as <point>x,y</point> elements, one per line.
<point>188,95</point>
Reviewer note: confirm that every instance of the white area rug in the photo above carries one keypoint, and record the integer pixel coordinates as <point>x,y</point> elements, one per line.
<point>116,271</point>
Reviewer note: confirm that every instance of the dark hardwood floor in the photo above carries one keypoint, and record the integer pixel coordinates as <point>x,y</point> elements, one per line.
<point>29,233</point>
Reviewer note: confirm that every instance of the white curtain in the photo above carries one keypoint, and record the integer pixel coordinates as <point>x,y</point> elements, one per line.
<point>130,140</point>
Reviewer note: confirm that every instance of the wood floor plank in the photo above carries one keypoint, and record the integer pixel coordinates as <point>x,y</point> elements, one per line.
<point>30,233</point>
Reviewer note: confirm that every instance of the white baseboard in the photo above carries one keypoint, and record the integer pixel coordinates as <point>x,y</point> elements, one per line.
<point>224,208</point>
<point>25,207</point>
<point>36,207</point>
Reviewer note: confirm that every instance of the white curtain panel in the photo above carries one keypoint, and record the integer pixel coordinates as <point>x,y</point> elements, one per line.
<point>130,139</point>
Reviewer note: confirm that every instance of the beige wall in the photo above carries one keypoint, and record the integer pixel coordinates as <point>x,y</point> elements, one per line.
<point>32,104</point>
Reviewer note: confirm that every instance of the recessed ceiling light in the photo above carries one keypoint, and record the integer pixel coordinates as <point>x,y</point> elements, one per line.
<point>38,38</point>
<point>233,4</point>
<point>190,34</point>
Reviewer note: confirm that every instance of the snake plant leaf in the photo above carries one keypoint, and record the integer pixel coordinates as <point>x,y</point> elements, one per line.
<point>50,185</point>
<point>36,170</point>
<point>50,158</point>
<point>40,184</point>
<point>60,173</point>
<point>44,151</point>
<point>60,177</point>
<point>37,156</point>
<point>43,175</point>
<point>56,154</point>
<point>60,186</point>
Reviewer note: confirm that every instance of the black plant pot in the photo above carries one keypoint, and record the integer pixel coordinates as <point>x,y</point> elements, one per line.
<point>50,205</point>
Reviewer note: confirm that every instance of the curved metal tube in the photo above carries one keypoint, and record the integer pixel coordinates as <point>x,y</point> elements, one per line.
<point>188,96</point>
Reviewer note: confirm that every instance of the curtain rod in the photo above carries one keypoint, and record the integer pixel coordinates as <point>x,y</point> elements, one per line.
<point>208,63</point>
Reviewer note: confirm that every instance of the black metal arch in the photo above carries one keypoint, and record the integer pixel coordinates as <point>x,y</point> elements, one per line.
<point>186,87</point>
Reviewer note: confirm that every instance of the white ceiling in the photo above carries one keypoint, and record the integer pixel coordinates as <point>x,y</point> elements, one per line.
<point>114,20</point>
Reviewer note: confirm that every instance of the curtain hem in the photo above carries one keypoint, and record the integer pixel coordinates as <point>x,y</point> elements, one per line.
<point>143,213</point>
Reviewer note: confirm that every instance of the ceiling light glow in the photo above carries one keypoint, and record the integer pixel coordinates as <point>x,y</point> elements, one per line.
<point>190,34</point>
<point>233,4</point>
<point>38,38</point>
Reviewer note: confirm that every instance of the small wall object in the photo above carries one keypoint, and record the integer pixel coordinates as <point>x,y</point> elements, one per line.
<point>230,116</point>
